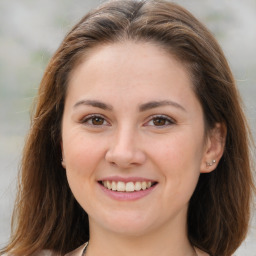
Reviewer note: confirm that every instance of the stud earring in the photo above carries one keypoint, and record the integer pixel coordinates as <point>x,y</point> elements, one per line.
<point>211,163</point>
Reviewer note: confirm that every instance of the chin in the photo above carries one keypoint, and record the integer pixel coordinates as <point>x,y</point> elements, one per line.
<point>131,230</point>
<point>129,225</point>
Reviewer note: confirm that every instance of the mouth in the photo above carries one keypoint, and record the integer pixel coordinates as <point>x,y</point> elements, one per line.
<point>129,187</point>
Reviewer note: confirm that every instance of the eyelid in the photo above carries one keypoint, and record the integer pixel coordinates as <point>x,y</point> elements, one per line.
<point>167,118</point>
<point>86,118</point>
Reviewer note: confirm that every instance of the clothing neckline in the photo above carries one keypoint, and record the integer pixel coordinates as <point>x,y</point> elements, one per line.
<point>197,251</point>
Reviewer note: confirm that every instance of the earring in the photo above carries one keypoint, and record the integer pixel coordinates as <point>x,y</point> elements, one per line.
<point>211,163</point>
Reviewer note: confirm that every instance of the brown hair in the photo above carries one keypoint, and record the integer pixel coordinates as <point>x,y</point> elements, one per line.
<point>47,216</point>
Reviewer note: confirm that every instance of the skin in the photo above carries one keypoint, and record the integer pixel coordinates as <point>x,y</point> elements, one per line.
<point>131,138</point>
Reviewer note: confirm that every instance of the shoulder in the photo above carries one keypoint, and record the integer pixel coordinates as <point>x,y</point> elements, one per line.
<point>76,252</point>
<point>40,253</point>
<point>45,253</point>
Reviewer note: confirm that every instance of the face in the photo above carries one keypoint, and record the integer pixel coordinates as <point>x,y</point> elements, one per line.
<point>132,138</point>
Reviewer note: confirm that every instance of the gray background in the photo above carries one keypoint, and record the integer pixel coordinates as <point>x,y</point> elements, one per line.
<point>30,31</point>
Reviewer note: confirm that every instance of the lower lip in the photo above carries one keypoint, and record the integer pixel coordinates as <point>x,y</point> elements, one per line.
<point>127,196</point>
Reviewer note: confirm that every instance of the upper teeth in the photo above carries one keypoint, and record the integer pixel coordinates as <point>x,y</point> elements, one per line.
<point>127,187</point>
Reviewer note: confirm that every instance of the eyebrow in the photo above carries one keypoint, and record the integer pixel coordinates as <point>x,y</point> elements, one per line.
<point>143,107</point>
<point>156,104</point>
<point>94,103</point>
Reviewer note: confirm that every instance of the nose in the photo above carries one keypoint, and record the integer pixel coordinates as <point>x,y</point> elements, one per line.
<point>124,151</point>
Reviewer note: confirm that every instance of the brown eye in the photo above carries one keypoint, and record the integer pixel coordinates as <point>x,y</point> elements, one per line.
<point>159,121</point>
<point>94,120</point>
<point>97,120</point>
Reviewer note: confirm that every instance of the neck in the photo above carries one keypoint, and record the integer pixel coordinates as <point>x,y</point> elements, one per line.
<point>164,242</point>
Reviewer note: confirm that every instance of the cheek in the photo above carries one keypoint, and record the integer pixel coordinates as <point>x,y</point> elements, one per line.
<point>179,152</point>
<point>81,156</point>
<point>179,160</point>
<point>82,159</point>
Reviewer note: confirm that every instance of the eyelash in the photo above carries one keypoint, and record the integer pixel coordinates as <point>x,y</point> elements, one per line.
<point>164,118</point>
<point>88,120</point>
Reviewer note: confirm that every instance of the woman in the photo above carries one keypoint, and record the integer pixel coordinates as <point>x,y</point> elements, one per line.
<point>138,143</point>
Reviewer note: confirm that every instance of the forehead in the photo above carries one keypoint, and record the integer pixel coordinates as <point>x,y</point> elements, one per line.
<point>123,61</point>
<point>127,75</point>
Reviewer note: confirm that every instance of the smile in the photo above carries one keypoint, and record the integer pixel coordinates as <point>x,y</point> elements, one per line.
<point>130,186</point>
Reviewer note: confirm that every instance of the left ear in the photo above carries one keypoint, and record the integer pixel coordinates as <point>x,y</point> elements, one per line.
<point>214,148</point>
<point>62,158</point>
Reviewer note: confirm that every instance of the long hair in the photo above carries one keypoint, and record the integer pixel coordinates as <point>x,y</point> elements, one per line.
<point>46,214</point>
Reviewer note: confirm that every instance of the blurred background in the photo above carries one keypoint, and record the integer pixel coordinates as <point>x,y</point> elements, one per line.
<point>30,32</point>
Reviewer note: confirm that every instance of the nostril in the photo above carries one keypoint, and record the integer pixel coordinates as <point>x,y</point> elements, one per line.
<point>124,157</point>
